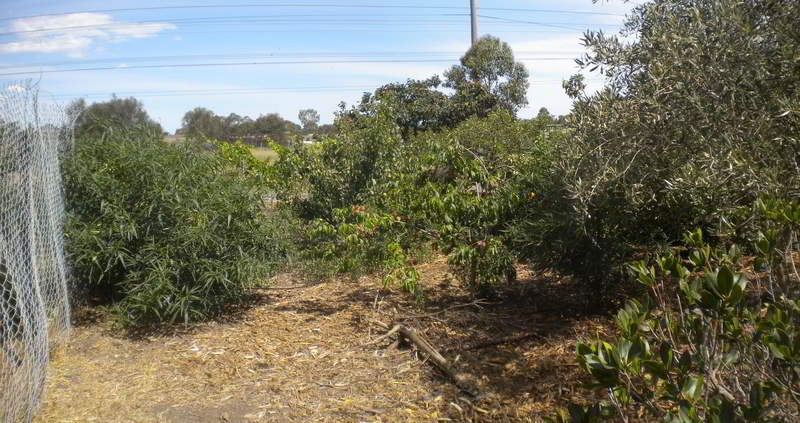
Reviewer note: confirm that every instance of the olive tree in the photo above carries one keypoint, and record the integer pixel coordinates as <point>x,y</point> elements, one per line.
<point>700,116</point>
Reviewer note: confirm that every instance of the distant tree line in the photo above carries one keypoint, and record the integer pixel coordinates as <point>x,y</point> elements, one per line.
<point>197,123</point>
<point>487,79</point>
<point>203,123</point>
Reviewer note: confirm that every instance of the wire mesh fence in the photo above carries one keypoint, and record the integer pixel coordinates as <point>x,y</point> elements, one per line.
<point>34,304</point>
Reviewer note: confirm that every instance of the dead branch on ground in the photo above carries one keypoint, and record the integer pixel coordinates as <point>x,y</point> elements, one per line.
<point>433,355</point>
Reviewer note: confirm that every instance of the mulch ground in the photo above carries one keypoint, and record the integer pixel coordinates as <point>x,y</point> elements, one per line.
<point>303,352</point>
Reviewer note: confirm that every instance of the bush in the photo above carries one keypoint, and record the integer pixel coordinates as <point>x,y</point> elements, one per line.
<point>380,198</point>
<point>167,232</point>
<point>700,117</point>
<point>713,342</point>
<point>336,172</point>
<point>465,188</point>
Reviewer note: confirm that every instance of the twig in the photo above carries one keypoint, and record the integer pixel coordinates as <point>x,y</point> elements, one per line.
<point>382,337</point>
<point>379,323</point>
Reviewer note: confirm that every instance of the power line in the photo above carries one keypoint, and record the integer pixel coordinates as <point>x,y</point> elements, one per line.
<point>551,25</point>
<point>309,54</point>
<point>225,91</point>
<point>308,5</point>
<point>248,91</point>
<point>284,62</point>
<point>370,30</point>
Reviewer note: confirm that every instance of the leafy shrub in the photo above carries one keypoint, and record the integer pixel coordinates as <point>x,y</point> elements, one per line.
<point>457,190</point>
<point>361,240</point>
<point>466,188</point>
<point>699,118</point>
<point>336,172</point>
<point>712,342</point>
<point>168,232</point>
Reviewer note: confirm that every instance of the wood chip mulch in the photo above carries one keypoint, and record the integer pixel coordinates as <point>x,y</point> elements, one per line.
<point>302,353</point>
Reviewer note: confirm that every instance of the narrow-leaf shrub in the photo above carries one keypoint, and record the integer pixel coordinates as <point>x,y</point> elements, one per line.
<point>701,116</point>
<point>168,233</point>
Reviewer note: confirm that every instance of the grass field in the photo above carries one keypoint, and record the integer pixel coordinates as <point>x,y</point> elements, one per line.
<point>264,154</point>
<point>258,152</point>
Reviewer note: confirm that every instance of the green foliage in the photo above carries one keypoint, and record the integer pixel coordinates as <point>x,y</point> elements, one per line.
<point>201,123</point>
<point>96,118</point>
<point>168,232</point>
<point>458,190</point>
<point>488,76</point>
<point>309,119</point>
<point>709,343</point>
<point>239,156</point>
<point>488,79</point>
<point>700,117</point>
<point>361,240</point>
<point>357,235</point>
<point>463,189</point>
<point>337,172</point>
<point>416,105</point>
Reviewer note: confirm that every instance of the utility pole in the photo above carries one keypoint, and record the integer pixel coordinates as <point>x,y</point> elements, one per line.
<point>473,13</point>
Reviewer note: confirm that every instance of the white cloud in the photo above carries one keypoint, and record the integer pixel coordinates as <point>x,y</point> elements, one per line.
<point>73,33</point>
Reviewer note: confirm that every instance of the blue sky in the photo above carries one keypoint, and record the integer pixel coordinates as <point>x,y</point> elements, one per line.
<point>291,55</point>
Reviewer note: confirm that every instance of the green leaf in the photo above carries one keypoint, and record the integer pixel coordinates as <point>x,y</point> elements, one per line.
<point>692,388</point>
<point>724,281</point>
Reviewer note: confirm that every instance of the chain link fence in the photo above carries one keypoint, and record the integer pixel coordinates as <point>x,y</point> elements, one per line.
<point>34,306</point>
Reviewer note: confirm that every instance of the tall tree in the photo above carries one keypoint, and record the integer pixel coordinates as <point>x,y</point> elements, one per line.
<point>203,123</point>
<point>128,112</point>
<point>488,77</point>
<point>544,114</point>
<point>309,119</point>
<point>416,105</point>
<point>275,127</point>
<point>231,125</point>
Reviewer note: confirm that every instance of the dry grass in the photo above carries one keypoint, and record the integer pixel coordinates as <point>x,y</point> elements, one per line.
<point>264,154</point>
<point>172,139</point>
<point>297,353</point>
<point>260,153</point>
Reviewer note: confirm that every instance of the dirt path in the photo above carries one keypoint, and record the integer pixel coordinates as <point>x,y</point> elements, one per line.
<point>297,354</point>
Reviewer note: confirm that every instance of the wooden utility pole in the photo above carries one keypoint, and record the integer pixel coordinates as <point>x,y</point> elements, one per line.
<point>473,13</point>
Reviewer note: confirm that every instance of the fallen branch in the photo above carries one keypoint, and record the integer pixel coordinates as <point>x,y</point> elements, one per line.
<point>435,357</point>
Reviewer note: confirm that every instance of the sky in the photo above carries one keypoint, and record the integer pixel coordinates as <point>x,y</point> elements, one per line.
<point>265,56</point>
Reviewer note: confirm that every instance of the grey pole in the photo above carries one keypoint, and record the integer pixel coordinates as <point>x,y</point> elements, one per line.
<point>473,13</point>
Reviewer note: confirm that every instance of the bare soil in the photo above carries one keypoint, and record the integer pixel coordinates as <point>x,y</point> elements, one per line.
<point>302,352</point>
